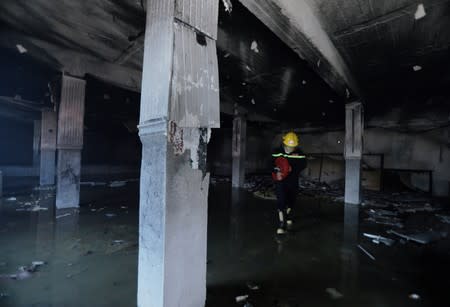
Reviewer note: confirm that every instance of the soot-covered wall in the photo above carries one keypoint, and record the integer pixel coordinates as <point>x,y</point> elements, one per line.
<point>16,142</point>
<point>258,157</point>
<point>428,150</point>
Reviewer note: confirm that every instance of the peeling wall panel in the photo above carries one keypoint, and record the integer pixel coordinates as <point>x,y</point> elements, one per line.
<point>71,113</point>
<point>200,14</point>
<point>48,130</point>
<point>158,45</point>
<point>195,81</point>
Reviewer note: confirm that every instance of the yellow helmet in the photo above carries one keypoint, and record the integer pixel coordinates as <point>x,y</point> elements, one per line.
<point>290,139</point>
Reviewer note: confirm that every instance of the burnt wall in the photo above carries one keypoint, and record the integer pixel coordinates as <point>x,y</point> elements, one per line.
<point>258,157</point>
<point>16,142</point>
<point>408,150</point>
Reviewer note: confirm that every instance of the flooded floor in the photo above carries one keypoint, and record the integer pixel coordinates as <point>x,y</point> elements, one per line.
<point>90,254</point>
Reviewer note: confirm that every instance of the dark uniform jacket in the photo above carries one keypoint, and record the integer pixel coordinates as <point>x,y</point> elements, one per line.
<point>297,161</point>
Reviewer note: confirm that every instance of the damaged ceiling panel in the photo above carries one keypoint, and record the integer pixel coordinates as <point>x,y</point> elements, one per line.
<point>397,50</point>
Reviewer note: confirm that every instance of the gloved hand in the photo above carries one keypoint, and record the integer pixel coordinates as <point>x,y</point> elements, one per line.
<point>281,169</point>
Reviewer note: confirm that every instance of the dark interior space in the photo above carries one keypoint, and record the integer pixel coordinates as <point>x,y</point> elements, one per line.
<point>255,153</point>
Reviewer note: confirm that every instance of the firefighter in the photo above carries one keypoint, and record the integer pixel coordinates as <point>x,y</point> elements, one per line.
<point>288,161</point>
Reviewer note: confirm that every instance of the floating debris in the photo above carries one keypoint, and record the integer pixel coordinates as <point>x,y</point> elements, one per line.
<point>93,184</point>
<point>253,101</point>
<point>241,298</point>
<point>248,68</point>
<point>24,272</point>
<point>377,239</point>
<point>252,286</point>
<point>303,82</point>
<point>38,208</point>
<point>414,296</point>
<point>417,67</point>
<point>444,218</point>
<point>110,215</point>
<point>226,55</point>
<point>117,184</point>
<point>63,215</point>
<point>11,199</point>
<point>334,294</point>
<point>420,12</point>
<point>422,238</point>
<point>366,252</point>
<point>386,221</point>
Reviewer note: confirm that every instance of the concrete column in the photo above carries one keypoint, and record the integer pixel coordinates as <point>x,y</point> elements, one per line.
<point>239,141</point>
<point>36,142</point>
<point>48,148</point>
<point>179,106</point>
<point>354,134</point>
<point>70,142</point>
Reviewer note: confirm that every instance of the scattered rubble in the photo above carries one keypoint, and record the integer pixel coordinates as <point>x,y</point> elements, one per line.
<point>444,218</point>
<point>422,238</point>
<point>24,272</point>
<point>377,239</point>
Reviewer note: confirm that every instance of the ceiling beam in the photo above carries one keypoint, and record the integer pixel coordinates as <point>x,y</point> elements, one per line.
<point>73,62</point>
<point>296,24</point>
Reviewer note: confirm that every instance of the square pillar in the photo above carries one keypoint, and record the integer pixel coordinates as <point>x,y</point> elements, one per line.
<point>47,165</point>
<point>36,142</point>
<point>179,106</point>
<point>70,142</point>
<point>354,134</point>
<point>239,140</point>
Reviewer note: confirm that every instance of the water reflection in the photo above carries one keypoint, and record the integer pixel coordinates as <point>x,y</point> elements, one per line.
<point>349,250</point>
<point>236,220</point>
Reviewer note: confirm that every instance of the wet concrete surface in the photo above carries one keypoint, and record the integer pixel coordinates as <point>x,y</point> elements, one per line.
<point>91,254</point>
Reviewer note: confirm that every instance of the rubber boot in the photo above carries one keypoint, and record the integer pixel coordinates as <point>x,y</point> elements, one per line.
<point>282,226</point>
<point>289,221</point>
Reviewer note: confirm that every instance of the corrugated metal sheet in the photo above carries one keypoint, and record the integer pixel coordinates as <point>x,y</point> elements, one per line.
<point>200,14</point>
<point>195,80</point>
<point>48,129</point>
<point>354,130</point>
<point>157,67</point>
<point>71,113</point>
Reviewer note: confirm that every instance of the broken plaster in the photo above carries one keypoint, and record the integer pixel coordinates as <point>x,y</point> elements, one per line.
<point>194,139</point>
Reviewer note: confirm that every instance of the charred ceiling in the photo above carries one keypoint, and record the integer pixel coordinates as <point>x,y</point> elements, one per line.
<point>398,59</point>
